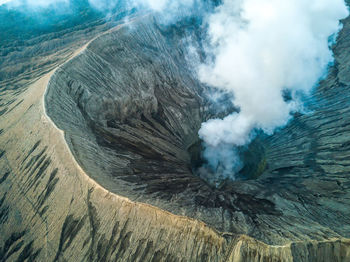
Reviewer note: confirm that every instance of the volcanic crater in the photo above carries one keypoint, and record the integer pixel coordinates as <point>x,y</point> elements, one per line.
<point>131,106</point>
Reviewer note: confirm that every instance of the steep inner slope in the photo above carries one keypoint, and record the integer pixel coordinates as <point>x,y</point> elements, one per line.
<point>131,108</point>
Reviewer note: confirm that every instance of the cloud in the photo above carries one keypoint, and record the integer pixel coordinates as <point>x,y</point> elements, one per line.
<point>261,48</point>
<point>32,3</point>
<point>166,6</point>
<point>2,2</point>
<point>103,5</point>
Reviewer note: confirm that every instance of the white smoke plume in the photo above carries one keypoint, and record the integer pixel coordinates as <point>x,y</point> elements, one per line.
<point>261,48</point>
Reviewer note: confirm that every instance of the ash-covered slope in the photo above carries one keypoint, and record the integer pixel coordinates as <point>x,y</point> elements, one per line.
<point>131,108</point>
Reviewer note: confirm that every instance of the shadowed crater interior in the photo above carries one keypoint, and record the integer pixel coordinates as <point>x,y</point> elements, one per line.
<point>131,107</point>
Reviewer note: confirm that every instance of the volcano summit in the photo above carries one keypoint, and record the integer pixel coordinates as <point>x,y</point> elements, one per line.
<point>101,159</point>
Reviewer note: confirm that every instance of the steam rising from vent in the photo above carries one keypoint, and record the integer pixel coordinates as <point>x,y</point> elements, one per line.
<point>259,49</point>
